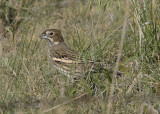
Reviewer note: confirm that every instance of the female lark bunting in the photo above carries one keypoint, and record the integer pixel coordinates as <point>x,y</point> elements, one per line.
<point>63,58</point>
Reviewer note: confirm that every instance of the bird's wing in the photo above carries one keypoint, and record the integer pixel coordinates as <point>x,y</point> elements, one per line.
<point>67,62</point>
<point>65,54</point>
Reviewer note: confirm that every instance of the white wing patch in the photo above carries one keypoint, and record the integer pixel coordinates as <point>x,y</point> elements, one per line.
<point>65,60</point>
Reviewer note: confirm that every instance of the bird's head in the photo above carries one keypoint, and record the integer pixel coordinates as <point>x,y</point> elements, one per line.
<point>53,36</point>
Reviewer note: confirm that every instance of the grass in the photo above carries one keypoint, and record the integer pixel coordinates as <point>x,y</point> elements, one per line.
<point>30,85</point>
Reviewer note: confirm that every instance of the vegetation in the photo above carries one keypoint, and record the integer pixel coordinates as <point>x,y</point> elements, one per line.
<point>94,29</point>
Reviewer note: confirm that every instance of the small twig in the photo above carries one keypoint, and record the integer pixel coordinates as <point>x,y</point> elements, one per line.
<point>57,106</point>
<point>134,82</point>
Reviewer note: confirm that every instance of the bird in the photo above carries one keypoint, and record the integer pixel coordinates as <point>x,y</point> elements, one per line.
<point>65,59</point>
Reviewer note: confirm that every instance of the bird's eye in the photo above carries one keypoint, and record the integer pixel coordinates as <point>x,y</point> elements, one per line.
<point>51,33</point>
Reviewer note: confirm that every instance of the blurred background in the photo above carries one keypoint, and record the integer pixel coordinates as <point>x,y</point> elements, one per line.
<point>94,29</point>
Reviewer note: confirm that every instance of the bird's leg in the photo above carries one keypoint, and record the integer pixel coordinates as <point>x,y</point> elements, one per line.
<point>62,88</point>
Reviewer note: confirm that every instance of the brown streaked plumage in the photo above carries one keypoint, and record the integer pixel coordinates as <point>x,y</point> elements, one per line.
<point>63,58</point>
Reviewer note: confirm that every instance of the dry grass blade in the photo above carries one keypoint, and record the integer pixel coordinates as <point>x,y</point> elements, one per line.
<point>112,88</point>
<point>1,35</point>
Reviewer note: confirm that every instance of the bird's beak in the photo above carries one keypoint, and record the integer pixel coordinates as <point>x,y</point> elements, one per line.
<point>44,36</point>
